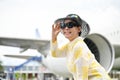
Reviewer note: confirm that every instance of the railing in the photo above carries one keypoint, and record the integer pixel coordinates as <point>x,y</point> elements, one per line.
<point>115,75</point>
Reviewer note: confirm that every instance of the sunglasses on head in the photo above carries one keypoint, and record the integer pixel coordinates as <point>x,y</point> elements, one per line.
<point>69,25</point>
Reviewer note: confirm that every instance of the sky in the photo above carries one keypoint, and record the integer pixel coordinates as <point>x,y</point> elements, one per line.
<point>20,18</point>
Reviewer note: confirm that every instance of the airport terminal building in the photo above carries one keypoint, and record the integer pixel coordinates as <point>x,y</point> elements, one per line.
<point>27,70</point>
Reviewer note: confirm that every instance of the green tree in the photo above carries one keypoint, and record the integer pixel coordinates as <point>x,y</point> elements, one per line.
<point>17,76</point>
<point>1,70</point>
<point>1,67</point>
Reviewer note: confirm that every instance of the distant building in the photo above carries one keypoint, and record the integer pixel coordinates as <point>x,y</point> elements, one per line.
<point>31,70</point>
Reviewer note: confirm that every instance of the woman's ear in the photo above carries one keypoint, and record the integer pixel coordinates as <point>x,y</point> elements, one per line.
<point>79,29</point>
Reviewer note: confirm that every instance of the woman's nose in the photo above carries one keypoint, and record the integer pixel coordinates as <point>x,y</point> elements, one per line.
<point>66,27</point>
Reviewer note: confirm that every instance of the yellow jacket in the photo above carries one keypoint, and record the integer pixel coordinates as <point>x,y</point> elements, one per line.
<point>80,61</point>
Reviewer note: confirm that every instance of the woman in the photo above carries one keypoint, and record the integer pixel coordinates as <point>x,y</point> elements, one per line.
<point>80,61</point>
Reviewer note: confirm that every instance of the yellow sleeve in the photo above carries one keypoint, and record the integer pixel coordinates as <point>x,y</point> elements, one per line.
<point>56,51</point>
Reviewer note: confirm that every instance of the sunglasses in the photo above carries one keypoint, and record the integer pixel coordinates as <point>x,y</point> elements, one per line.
<point>69,25</point>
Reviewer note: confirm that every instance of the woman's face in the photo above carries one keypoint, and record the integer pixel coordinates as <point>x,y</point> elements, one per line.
<point>72,32</point>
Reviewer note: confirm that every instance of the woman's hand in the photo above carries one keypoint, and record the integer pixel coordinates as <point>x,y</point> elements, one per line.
<point>55,31</point>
